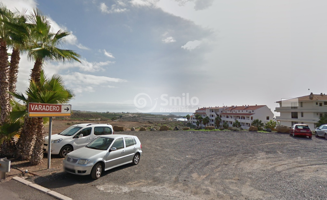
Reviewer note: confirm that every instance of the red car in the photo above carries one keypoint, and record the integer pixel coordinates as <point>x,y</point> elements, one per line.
<point>301,130</point>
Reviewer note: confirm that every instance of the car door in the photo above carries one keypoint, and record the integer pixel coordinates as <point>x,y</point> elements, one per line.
<point>130,148</point>
<point>84,140</point>
<point>322,131</point>
<point>115,158</point>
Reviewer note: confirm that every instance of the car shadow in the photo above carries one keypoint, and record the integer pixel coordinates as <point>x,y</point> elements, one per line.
<point>63,179</point>
<point>300,138</point>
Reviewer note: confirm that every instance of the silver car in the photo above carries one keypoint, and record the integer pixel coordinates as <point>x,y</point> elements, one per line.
<point>321,131</point>
<point>102,154</point>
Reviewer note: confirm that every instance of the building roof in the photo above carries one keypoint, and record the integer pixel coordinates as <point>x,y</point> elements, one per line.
<point>311,97</point>
<point>232,108</point>
<point>243,114</point>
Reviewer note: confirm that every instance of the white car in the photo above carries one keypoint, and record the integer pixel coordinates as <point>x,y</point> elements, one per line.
<point>321,131</point>
<point>75,137</point>
<point>102,154</point>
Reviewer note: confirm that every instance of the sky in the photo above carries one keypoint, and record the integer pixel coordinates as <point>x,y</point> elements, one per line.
<point>178,55</point>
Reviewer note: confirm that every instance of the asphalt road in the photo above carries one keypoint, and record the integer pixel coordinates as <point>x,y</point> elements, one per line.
<point>209,165</point>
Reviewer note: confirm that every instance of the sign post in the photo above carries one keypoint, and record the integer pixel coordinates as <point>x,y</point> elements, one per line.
<point>49,110</point>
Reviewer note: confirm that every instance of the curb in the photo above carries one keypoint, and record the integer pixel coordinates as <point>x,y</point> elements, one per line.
<point>42,189</point>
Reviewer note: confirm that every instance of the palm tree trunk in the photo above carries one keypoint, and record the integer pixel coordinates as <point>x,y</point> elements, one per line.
<point>4,85</point>
<point>36,71</point>
<point>37,154</point>
<point>28,135</point>
<point>26,140</point>
<point>13,70</point>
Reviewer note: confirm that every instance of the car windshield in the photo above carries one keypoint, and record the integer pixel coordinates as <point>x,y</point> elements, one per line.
<point>303,127</point>
<point>100,143</point>
<point>70,131</point>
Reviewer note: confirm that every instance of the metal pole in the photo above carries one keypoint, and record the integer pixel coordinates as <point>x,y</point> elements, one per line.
<point>49,142</point>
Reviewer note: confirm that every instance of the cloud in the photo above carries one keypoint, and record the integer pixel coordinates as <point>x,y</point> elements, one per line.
<point>108,54</point>
<point>70,39</point>
<point>191,45</point>
<point>169,40</point>
<point>202,4</point>
<point>84,65</point>
<point>79,78</point>
<point>84,82</point>
<point>198,4</point>
<point>23,6</point>
<point>146,3</point>
<point>115,8</point>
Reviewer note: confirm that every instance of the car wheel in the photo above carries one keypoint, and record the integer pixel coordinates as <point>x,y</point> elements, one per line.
<point>96,171</point>
<point>136,159</point>
<point>65,150</point>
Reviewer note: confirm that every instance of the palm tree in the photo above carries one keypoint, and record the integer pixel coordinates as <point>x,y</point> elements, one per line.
<point>206,120</point>
<point>257,123</point>
<point>237,124</point>
<point>4,65</point>
<point>200,119</point>
<point>45,91</point>
<point>218,121</point>
<point>43,45</point>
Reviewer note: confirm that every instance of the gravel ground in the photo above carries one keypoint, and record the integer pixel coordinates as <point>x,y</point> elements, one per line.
<point>210,165</point>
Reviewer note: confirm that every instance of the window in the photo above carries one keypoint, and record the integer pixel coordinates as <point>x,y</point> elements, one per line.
<point>301,103</point>
<point>267,118</point>
<point>102,131</point>
<point>320,104</point>
<point>130,141</point>
<point>294,115</point>
<point>86,131</point>
<point>251,118</point>
<point>316,103</point>
<point>325,103</point>
<point>301,114</point>
<point>119,143</point>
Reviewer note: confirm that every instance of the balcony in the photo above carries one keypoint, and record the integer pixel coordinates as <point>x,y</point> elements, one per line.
<point>301,109</point>
<point>304,120</point>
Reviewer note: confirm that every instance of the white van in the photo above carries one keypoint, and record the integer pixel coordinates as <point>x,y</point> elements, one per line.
<point>75,137</point>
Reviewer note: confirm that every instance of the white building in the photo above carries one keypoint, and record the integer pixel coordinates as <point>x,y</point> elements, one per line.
<point>306,109</point>
<point>244,114</point>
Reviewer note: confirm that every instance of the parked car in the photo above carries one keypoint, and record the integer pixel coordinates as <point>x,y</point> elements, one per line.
<point>75,137</point>
<point>321,131</point>
<point>301,130</point>
<point>102,154</point>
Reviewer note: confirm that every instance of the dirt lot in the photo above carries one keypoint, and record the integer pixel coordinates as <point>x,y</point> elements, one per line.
<point>210,165</point>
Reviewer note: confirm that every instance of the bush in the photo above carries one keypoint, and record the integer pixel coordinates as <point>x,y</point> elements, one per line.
<point>237,124</point>
<point>142,129</point>
<point>186,128</point>
<point>210,128</point>
<point>271,125</point>
<point>225,125</point>
<point>234,129</point>
<point>253,128</point>
<point>257,123</point>
<point>164,128</point>
<point>283,129</point>
<point>118,128</point>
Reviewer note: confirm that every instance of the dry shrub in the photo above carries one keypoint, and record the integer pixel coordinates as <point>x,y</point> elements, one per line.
<point>186,128</point>
<point>253,128</point>
<point>118,128</point>
<point>142,129</point>
<point>164,128</point>
<point>282,129</point>
<point>209,127</point>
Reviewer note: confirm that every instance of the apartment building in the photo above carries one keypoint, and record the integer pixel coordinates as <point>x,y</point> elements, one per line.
<point>305,109</point>
<point>244,114</point>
